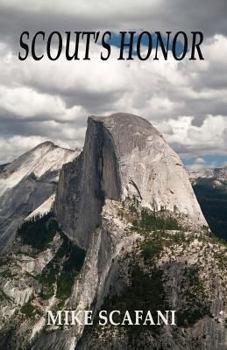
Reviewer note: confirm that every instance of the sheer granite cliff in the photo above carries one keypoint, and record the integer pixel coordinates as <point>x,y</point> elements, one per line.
<point>126,203</point>
<point>124,156</point>
<point>210,186</point>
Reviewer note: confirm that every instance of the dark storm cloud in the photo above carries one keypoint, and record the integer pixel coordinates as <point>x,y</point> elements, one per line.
<point>189,150</point>
<point>11,128</point>
<point>17,16</point>
<point>201,107</point>
<point>199,120</point>
<point>90,100</point>
<point>67,94</point>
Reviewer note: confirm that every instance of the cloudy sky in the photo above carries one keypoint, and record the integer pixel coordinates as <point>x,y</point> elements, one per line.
<point>45,100</point>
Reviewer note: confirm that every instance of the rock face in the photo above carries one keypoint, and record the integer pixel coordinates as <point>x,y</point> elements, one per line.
<point>178,274</point>
<point>26,183</point>
<point>124,156</point>
<point>127,203</point>
<point>210,186</point>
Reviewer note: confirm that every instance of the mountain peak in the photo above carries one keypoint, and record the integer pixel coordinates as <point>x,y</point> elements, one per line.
<point>128,131</point>
<point>124,157</point>
<point>50,144</point>
<point>45,144</point>
<point>125,120</point>
<point>26,184</point>
<point>42,158</point>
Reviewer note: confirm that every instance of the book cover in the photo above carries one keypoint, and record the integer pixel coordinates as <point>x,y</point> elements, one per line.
<point>113,178</point>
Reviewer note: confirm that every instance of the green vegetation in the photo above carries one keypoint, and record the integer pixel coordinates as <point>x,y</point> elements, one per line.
<point>48,279</point>
<point>153,221</point>
<point>188,317</point>
<point>219,251</point>
<point>146,291</point>
<point>196,303</point>
<point>39,231</point>
<point>213,201</point>
<point>28,310</point>
<point>62,270</point>
<point>156,241</point>
<point>74,259</point>
<point>151,249</point>
<point>219,240</point>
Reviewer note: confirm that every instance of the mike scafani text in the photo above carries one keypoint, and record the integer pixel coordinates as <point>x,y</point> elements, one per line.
<point>131,45</point>
<point>114,317</point>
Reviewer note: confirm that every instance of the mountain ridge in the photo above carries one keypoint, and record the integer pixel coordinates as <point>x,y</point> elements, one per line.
<point>115,240</point>
<point>26,183</point>
<point>210,186</point>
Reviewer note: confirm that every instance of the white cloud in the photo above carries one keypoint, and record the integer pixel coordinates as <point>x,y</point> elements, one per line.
<point>199,163</point>
<point>16,145</point>
<point>209,137</point>
<point>25,102</point>
<point>186,100</point>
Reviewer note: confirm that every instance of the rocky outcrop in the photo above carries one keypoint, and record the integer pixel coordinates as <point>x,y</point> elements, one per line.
<point>27,183</point>
<point>128,234</point>
<point>178,272</point>
<point>124,156</point>
<point>128,265</point>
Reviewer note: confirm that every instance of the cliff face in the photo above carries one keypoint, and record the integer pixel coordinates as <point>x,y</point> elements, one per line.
<point>180,271</point>
<point>85,183</point>
<point>127,233</point>
<point>124,156</point>
<point>131,263</point>
<point>210,186</point>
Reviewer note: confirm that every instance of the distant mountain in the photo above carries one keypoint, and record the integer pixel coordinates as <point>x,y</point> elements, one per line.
<point>210,186</point>
<point>215,173</point>
<point>26,183</point>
